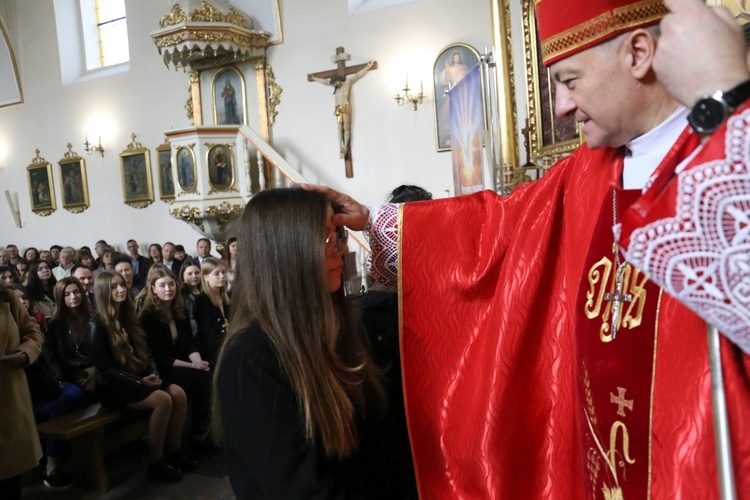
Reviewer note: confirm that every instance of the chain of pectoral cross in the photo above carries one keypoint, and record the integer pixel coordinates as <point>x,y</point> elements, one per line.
<point>617,298</point>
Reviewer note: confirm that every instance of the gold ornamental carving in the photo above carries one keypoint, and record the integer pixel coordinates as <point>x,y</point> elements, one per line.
<point>274,95</point>
<point>207,14</point>
<point>224,213</point>
<point>175,16</point>
<point>191,215</point>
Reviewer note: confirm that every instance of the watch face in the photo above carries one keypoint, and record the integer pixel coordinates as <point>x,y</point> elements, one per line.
<point>708,114</point>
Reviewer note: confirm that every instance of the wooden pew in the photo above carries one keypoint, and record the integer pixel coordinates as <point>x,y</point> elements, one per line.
<point>94,432</point>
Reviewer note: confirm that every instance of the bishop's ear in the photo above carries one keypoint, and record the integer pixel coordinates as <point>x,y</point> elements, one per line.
<point>639,49</point>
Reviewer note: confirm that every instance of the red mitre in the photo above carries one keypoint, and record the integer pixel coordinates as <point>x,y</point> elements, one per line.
<point>569,26</point>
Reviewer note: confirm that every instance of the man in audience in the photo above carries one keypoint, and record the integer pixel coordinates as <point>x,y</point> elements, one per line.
<point>46,256</point>
<point>99,248</point>
<point>4,257</point>
<point>139,262</point>
<point>123,266</point>
<point>67,256</point>
<point>168,258</point>
<point>12,253</point>
<point>204,251</point>
<point>86,277</point>
<point>54,250</point>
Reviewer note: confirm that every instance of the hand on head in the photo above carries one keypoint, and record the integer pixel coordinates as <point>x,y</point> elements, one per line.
<point>701,50</point>
<point>354,215</point>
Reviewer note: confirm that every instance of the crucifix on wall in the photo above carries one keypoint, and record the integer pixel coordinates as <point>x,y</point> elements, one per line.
<point>342,91</point>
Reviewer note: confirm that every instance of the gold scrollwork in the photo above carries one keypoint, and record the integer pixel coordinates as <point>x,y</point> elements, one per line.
<point>175,16</point>
<point>274,94</point>
<point>189,215</point>
<point>602,280</point>
<point>208,13</point>
<point>224,212</point>
<point>171,40</point>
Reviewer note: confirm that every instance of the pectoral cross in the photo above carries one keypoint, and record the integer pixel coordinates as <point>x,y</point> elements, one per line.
<point>617,298</point>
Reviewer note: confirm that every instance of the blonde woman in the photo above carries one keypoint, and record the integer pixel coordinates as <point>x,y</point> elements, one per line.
<point>127,377</point>
<point>211,309</point>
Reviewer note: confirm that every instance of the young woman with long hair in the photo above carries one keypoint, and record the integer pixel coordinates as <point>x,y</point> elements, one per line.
<point>154,253</point>
<point>85,258</point>
<point>31,254</point>
<point>165,321</point>
<point>41,286</point>
<point>127,377</point>
<point>191,285</point>
<point>69,334</point>
<point>296,392</point>
<point>229,258</point>
<point>211,309</point>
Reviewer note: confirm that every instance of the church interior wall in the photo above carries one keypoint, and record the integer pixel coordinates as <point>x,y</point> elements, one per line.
<point>390,145</point>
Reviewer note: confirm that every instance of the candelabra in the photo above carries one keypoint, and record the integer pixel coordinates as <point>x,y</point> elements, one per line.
<point>408,97</point>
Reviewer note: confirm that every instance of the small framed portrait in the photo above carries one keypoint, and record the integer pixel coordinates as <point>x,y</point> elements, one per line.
<point>220,167</point>
<point>228,91</point>
<point>41,187</point>
<point>187,177</point>
<point>452,64</point>
<point>137,189</point>
<point>166,175</point>
<point>75,189</point>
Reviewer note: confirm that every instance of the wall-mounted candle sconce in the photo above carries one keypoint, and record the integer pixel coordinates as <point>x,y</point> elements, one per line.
<point>90,149</point>
<point>408,97</point>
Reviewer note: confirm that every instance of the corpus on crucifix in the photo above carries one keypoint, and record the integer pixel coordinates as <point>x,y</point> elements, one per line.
<point>342,92</point>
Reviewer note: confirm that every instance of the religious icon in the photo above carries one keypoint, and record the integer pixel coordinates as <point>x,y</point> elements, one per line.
<point>41,189</point>
<point>75,193</point>
<point>452,64</point>
<point>137,188</point>
<point>186,169</point>
<point>228,90</point>
<point>220,167</point>
<point>166,180</point>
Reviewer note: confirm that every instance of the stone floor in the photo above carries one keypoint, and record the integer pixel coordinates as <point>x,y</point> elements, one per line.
<point>127,473</point>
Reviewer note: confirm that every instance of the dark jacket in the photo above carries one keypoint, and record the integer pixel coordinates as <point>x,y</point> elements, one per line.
<point>211,327</point>
<point>159,338</point>
<point>143,266</point>
<point>73,356</point>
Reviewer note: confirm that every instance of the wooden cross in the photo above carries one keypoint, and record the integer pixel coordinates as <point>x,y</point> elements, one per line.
<point>342,88</point>
<point>620,401</point>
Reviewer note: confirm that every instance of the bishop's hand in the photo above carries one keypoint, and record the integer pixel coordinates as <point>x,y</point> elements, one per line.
<point>354,215</point>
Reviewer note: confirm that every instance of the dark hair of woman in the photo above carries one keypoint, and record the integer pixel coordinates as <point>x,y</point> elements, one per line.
<point>35,286</point>
<point>176,308</point>
<point>9,270</point>
<point>128,339</point>
<point>34,256</point>
<point>157,246</point>
<point>183,283</point>
<point>282,288</point>
<point>76,318</point>
<point>407,192</point>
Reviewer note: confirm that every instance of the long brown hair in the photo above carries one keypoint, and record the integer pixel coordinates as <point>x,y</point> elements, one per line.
<point>281,287</point>
<point>176,309</point>
<point>218,297</point>
<point>128,340</point>
<point>75,318</point>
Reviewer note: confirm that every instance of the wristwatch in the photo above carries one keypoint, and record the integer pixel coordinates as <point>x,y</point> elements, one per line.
<point>711,111</point>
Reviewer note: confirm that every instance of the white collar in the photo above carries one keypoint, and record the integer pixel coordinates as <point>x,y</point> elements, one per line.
<point>646,152</point>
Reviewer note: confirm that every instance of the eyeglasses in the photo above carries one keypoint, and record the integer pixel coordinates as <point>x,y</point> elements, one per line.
<point>336,240</point>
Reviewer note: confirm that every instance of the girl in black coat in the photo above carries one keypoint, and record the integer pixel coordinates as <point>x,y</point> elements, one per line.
<point>171,342</point>
<point>211,309</point>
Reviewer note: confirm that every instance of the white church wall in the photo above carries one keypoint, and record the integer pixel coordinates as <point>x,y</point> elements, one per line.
<point>390,145</point>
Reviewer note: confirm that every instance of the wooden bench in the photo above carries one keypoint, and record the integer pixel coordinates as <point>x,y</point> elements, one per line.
<point>94,432</point>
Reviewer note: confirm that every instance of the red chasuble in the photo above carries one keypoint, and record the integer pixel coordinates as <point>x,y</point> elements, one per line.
<point>513,385</point>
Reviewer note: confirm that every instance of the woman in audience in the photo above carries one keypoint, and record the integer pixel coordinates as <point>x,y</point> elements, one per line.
<point>190,287</point>
<point>108,257</point>
<point>41,286</point>
<point>165,321</point>
<point>211,309</point>
<point>21,294</point>
<point>22,268</point>
<point>297,394</point>
<point>21,343</point>
<point>69,334</point>
<point>229,258</point>
<point>154,252</point>
<point>85,259</point>
<point>31,254</point>
<point>127,377</point>
<point>8,276</point>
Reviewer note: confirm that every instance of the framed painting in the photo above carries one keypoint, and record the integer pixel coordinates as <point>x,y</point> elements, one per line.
<point>451,65</point>
<point>75,189</point>
<point>187,177</point>
<point>548,135</point>
<point>41,187</point>
<point>165,171</point>
<point>228,91</point>
<point>220,167</point>
<point>137,188</point>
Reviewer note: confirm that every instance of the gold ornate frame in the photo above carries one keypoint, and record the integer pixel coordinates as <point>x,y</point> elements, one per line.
<point>230,163</point>
<point>506,101</point>
<point>239,93</point>
<point>70,164</point>
<point>194,168</point>
<point>133,158</point>
<point>164,152</point>
<point>548,135</point>
<point>40,171</point>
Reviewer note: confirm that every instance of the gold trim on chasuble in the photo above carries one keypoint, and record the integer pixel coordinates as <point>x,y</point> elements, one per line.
<point>634,282</point>
<point>619,19</point>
